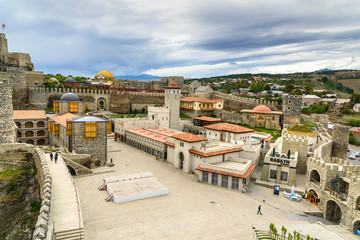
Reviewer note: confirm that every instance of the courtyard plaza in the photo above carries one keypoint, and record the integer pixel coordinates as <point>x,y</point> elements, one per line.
<point>191,210</point>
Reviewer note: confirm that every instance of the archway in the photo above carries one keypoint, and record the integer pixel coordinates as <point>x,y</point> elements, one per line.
<point>71,170</point>
<point>29,134</point>
<point>181,162</point>
<point>30,141</point>
<point>313,197</point>
<point>40,124</point>
<point>40,133</point>
<point>314,176</point>
<point>356,227</point>
<point>101,104</point>
<point>333,211</point>
<point>41,142</point>
<point>260,121</point>
<point>29,125</point>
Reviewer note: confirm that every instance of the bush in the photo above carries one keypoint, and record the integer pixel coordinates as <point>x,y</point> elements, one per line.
<point>35,206</point>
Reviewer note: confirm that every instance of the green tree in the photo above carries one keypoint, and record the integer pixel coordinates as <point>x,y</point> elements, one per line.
<point>298,92</point>
<point>352,139</point>
<point>355,98</point>
<point>257,86</point>
<point>289,88</point>
<point>309,89</point>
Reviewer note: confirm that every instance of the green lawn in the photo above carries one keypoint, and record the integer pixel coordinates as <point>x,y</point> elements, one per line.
<point>132,115</point>
<point>274,132</point>
<point>184,116</point>
<point>309,124</point>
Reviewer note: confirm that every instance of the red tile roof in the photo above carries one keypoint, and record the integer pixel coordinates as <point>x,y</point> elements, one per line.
<point>355,129</point>
<point>61,119</point>
<point>210,154</point>
<point>246,175</point>
<point>29,114</point>
<point>170,144</point>
<point>148,134</point>
<point>162,131</point>
<point>188,137</point>
<point>228,127</point>
<point>208,119</point>
<point>198,99</point>
<point>268,138</point>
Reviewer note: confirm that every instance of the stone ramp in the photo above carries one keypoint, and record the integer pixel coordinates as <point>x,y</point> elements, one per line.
<point>65,211</point>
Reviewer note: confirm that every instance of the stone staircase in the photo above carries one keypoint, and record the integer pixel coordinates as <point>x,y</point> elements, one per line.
<point>72,234</point>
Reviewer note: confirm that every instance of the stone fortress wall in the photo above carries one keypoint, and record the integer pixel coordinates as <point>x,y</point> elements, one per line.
<point>43,177</point>
<point>7,127</point>
<point>296,143</point>
<point>115,101</point>
<point>236,103</point>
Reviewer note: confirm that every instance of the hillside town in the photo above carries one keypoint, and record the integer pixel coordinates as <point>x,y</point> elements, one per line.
<point>176,158</point>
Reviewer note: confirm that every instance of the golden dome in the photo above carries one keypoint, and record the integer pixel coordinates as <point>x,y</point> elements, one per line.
<point>104,74</point>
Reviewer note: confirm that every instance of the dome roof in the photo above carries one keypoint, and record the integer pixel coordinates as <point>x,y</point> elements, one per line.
<point>261,108</point>
<point>69,97</point>
<point>70,80</point>
<point>173,84</point>
<point>105,74</point>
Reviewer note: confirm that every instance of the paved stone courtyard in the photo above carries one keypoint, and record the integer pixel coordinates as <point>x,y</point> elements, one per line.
<point>186,212</point>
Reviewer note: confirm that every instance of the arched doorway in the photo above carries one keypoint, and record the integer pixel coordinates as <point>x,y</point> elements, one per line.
<point>181,162</point>
<point>260,121</point>
<point>71,170</point>
<point>101,104</point>
<point>356,227</point>
<point>333,211</point>
<point>313,197</point>
<point>314,176</point>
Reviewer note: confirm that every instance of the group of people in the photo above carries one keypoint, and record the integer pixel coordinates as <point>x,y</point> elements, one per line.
<point>55,158</point>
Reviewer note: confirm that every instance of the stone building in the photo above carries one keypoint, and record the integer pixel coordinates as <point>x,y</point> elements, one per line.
<point>167,80</point>
<point>309,100</point>
<point>332,184</point>
<point>81,134</point>
<point>172,102</point>
<point>7,126</point>
<point>195,106</point>
<point>230,133</point>
<point>291,108</point>
<point>340,137</point>
<point>69,102</point>
<point>262,116</point>
<point>189,89</point>
<point>203,92</point>
<point>32,127</point>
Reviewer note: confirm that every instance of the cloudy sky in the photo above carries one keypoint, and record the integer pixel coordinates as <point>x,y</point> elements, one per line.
<point>191,38</point>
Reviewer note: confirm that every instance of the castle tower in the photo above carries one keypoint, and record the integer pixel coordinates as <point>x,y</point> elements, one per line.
<point>7,125</point>
<point>3,44</point>
<point>172,101</point>
<point>340,137</point>
<point>291,107</point>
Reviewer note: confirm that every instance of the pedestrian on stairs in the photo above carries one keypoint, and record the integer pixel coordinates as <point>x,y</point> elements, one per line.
<point>56,157</point>
<point>51,156</point>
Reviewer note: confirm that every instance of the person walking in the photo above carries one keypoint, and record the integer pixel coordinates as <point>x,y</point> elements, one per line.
<point>259,210</point>
<point>56,157</point>
<point>51,156</point>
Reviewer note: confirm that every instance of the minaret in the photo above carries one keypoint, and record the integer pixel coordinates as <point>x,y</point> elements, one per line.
<point>172,102</point>
<point>7,125</point>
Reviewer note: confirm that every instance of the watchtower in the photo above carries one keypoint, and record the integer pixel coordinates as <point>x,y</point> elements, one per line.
<point>3,44</point>
<point>172,102</point>
<point>340,141</point>
<point>7,125</point>
<point>291,107</point>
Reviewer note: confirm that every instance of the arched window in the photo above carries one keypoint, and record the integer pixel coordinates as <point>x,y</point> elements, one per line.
<point>18,124</point>
<point>40,124</point>
<point>29,125</point>
<point>314,176</point>
<point>261,118</point>
<point>40,133</point>
<point>29,134</point>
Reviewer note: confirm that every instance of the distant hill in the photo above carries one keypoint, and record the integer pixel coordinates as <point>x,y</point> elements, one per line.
<point>324,70</point>
<point>143,77</point>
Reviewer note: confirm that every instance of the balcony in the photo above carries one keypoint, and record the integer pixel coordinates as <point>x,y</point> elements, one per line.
<point>187,107</point>
<point>207,108</point>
